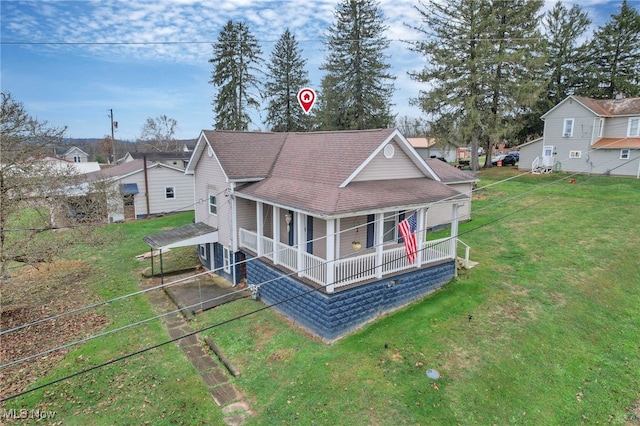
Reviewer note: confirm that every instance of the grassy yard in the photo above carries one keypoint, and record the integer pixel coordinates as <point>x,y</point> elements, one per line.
<point>545,330</point>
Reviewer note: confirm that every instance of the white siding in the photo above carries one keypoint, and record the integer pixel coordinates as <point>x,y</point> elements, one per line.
<point>381,168</point>
<point>210,179</point>
<point>159,178</point>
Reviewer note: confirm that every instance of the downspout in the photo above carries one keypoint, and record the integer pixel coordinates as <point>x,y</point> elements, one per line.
<point>234,230</point>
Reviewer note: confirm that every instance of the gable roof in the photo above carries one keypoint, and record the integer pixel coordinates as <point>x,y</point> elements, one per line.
<point>126,169</point>
<point>243,156</point>
<point>449,174</point>
<point>315,172</point>
<point>604,107</point>
<point>159,156</point>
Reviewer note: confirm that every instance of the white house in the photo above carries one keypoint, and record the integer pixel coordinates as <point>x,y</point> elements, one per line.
<point>284,212</point>
<point>585,135</point>
<point>161,189</point>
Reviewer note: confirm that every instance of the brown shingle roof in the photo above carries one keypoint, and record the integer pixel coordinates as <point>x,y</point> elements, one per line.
<point>617,143</point>
<point>245,155</point>
<point>119,170</point>
<point>611,107</point>
<point>310,168</point>
<point>448,173</point>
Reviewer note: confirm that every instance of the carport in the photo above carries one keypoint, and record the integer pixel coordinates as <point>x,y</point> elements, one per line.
<point>189,235</point>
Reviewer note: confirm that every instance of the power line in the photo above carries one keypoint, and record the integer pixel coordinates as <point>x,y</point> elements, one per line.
<point>238,317</point>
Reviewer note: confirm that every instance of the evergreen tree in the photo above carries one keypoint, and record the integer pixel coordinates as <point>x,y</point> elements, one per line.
<point>357,89</point>
<point>484,64</point>
<point>615,57</point>
<point>565,55</point>
<point>236,60</point>
<point>287,76</point>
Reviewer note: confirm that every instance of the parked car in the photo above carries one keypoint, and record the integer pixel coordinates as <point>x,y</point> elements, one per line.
<point>515,154</point>
<point>507,160</point>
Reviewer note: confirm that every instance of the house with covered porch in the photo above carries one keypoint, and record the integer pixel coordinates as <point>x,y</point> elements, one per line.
<point>309,221</point>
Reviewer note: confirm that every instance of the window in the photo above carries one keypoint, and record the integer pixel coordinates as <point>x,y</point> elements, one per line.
<point>600,127</point>
<point>169,192</point>
<point>77,159</point>
<point>575,154</point>
<point>389,228</point>
<point>226,259</point>
<point>634,127</point>
<point>203,251</point>
<point>625,154</point>
<point>567,130</point>
<point>213,207</point>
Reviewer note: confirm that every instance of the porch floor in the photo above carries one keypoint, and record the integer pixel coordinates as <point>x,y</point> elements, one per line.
<point>204,292</point>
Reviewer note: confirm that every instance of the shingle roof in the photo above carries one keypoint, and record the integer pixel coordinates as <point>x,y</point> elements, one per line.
<point>245,155</point>
<point>119,170</point>
<point>617,143</point>
<point>448,173</point>
<point>611,107</point>
<point>310,168</point>
<point>328,200</point>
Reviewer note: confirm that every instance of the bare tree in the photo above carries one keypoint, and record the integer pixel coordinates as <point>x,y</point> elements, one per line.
<point>37,192</point>
<point>159,134</point>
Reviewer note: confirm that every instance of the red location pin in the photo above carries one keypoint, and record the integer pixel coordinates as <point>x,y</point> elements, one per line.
<point>306,97</point>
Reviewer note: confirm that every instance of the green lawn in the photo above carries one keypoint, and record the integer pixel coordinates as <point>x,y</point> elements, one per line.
<point>552,338</point>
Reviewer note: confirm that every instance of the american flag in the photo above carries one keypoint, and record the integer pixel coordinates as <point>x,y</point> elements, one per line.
<point>407,230</point>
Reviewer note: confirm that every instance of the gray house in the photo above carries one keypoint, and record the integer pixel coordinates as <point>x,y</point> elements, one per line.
<point>584,135</point>
<point>312,218</point>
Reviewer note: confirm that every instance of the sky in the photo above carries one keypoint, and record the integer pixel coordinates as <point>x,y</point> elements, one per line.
<point>73,63</point>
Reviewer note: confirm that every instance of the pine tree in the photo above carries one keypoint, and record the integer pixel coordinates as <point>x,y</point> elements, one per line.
<point>484,64</point>
<point>357,89</point>
<point>615,57</point>
<point>566,56</point>
<point>236,60</point>
<point>287,76</point>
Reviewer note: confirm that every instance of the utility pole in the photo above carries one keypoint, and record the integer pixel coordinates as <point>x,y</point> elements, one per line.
<point>113,141</point>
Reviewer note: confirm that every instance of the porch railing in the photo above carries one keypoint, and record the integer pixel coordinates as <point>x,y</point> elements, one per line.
<point>348,270</point>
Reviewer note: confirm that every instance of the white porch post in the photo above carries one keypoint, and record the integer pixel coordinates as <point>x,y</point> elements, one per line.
<point>421,233</point>
<point>300,239</point>
<point>259,227</point>
<point>331,254</point>
<point>379,236</point>
<point>454,231</point>
<point>337,238</point>
<point>276,234</point>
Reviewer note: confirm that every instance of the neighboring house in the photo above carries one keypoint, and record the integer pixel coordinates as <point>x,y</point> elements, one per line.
<point>427,149</point>
<point>73,154</point>
<point>283,211</point>
<point>585,135</point>
<point>65,164</point>
<point>162,189</point>
<point>177,159</point>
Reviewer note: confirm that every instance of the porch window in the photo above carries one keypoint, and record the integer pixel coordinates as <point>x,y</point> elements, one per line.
<point>575,154</point>
<point>169,192</point>
<point>390,227</point>
<point>567,129</point>
<point>226,261</point>
<point>634,127</point>
<point>213,207</point>
<point>625,154</point>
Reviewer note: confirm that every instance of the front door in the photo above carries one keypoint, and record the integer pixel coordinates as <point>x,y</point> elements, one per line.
<point>547,156</point>
<point>129,207</point>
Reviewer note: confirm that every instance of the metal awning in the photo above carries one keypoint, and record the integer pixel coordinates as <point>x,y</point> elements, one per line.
<point>189,235</point>
<point>129,188</point>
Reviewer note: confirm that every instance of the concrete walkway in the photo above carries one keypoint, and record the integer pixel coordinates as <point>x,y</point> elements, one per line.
<point>213,373</point>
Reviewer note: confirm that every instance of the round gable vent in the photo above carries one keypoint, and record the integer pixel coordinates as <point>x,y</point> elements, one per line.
<point>389,150</point>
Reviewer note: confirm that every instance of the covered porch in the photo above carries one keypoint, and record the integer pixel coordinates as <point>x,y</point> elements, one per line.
<point>323,250</point>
